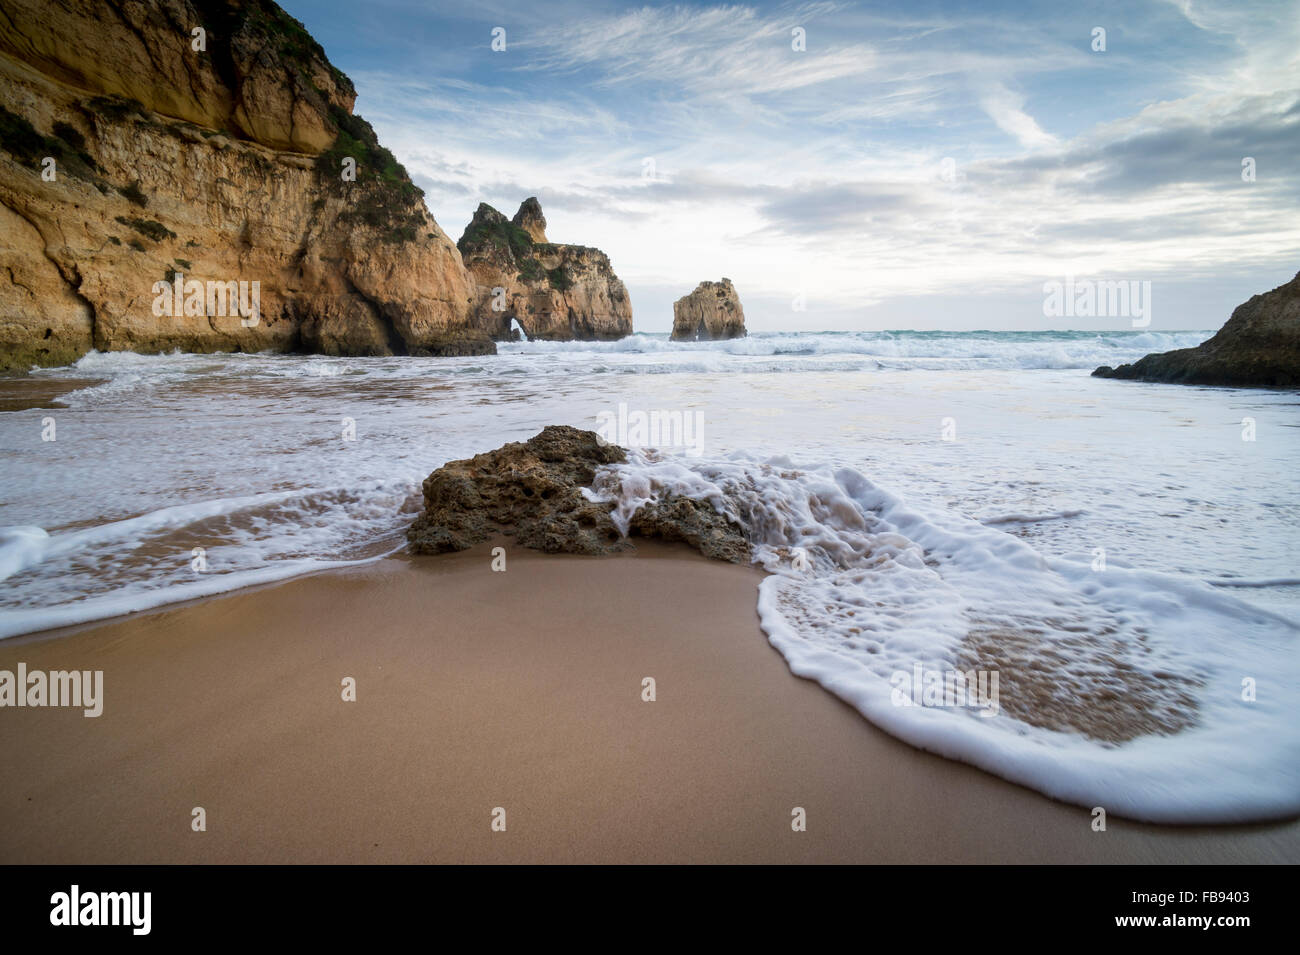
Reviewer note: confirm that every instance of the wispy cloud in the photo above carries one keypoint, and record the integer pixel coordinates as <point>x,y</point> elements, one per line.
<point>1006,109</point>
<point>903,153</point>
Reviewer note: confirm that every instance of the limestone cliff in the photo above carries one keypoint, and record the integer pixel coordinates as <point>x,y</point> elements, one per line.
<point>1258,347</point>
<point>530,219</point>
<point>709,313</point>
<point>214,140</point>
<point>555,292</point>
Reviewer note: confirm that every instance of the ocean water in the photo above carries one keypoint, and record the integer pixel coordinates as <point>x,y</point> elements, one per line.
<point>1117,553</point>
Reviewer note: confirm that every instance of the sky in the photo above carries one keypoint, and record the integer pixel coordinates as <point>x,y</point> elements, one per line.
<point>917,164</point>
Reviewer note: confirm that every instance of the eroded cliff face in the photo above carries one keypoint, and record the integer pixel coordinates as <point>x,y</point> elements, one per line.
<point>220,164</point>
<point>1258,347</point>
<point>709,313</point>
<point>556,292</point>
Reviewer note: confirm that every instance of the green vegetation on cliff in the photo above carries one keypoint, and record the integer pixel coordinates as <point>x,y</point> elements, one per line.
<point>493,233</point>
<point>66,147</point>
<point>559,278</point>
<point>497,231</point>
<point>149,228</point>
<point>382,197</point>
<point>385,197</point>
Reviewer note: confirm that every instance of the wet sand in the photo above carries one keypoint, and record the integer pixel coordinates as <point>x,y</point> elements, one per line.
<point>27,394</point>
<point>520,690</point>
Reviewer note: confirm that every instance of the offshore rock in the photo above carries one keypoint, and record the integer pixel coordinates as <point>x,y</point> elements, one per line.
<point>710,313</point>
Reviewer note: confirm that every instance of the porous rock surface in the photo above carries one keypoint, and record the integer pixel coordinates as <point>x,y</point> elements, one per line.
<point>532,490</point>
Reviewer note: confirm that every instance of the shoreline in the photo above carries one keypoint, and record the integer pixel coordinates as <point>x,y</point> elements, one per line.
<point>28,393</point>
<point>520,690</point>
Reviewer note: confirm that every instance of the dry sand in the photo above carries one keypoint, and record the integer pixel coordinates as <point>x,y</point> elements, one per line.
<point>519,690</point>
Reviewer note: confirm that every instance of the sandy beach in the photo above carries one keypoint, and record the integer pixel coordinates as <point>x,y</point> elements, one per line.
<point>613,433</point>
<point>520,690</point>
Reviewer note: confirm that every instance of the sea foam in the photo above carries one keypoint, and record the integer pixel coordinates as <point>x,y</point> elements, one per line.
<point>193,550</point>
<point>1151,696</point>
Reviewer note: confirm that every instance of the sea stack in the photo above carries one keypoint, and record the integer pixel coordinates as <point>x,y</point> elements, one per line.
<point>1258,347</point>
<point>555,292</point>
<point>530,219</point>
<point>709,313</point>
